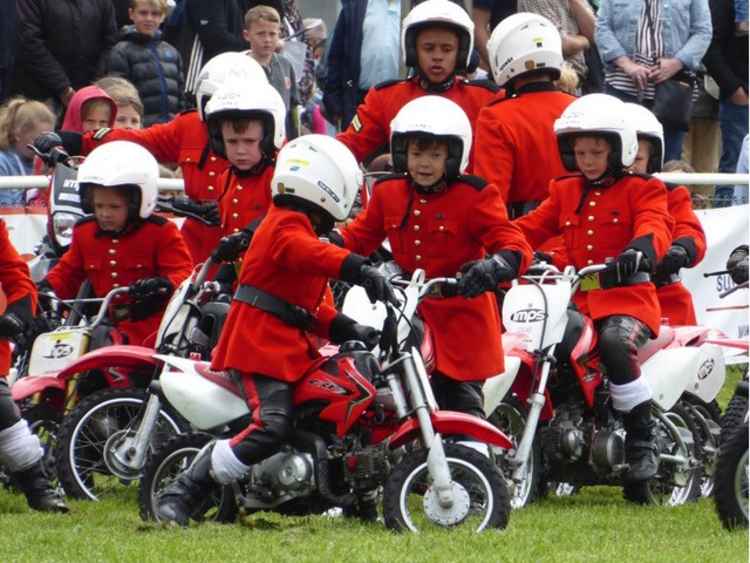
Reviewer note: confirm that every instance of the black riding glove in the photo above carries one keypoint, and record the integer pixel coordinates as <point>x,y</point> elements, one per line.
<point>11,326</point>
<point>356,270</point>
<point>344,328</point>
<point>629,262</point>
<point>230,247</point>
<point>335,238</point>
<point>208,210</point>
<point>675,258</point>
<point>45,142</point>
<point>737,264</point>
<point>484,275</point>
<point>150,287</point>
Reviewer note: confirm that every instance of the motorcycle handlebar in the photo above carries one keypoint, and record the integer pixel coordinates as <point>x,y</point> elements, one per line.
<point>106,302</point>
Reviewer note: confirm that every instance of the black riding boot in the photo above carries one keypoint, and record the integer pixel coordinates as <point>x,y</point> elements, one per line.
<point>640,449</point>
<point>40,494</point>
<point>184,495</point>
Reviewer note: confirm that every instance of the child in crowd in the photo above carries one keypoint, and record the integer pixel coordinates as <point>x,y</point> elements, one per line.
<point>245,126</point>
<point>438,219</point>
<point>265,344</point>
<point>688,239</point>
<point>262,32</point>
<point>90,109</point>
<point>21,121</point>
<point>129,105</point>
<point>152,65</point>
<point>604,213</point>
<point>122,243</point>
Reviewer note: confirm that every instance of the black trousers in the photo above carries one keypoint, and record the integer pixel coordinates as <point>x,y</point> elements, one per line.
<point>270,401</point>
<point>620,336</point>
<point>459,396</point>
<point>9,413</point>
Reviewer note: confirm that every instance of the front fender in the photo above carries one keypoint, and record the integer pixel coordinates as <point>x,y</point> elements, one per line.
<point>30,385</point>
<point>123,356</point>
<point>449,423</point>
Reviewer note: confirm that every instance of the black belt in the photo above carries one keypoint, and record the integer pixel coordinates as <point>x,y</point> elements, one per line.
<point>520,208</point>
<point>286,312</point>
<point>669,279</point>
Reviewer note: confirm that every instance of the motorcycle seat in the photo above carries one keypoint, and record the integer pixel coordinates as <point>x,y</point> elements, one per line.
<point>220,378</point>
<point>663,339</point>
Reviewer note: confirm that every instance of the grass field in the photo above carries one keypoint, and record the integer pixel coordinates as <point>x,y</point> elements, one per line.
<point>595,525</point>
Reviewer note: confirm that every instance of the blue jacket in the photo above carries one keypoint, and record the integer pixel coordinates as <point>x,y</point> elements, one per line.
<point>686,29</point>
<point>340,90</point>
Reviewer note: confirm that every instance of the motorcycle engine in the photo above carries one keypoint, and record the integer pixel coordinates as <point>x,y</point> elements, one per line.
<point>608,449</point>
<point>285,472</point>
<point>563,441</point>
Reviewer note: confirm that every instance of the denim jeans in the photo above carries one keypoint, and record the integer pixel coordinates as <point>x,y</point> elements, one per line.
<point>733,123</point>
<point>673,138</point>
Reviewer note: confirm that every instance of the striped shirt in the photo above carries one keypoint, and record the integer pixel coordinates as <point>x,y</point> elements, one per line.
<point>649,48</point>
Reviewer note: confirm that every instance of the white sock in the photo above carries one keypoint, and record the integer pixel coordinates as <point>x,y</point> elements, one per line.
<point>629,395</point>
<point>225,467</point>
<point>19,448</point>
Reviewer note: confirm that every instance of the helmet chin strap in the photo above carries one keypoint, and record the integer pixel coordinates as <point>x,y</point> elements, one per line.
<point>435,87</point>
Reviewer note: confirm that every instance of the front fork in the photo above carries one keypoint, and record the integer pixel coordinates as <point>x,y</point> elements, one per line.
<point>519,460</point>
<point>423,402</point>
<point>131,451</point>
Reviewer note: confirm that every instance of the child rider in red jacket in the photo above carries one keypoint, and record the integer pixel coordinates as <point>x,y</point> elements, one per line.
<point>265,344</point>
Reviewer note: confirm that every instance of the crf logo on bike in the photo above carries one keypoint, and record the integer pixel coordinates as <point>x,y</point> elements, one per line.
<point>528,316</point>
<point>706,368</point>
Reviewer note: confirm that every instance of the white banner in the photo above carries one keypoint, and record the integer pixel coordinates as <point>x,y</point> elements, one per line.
<point>726,228</point>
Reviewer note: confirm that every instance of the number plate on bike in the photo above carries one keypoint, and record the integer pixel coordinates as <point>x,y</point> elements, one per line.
<point>53,351</point>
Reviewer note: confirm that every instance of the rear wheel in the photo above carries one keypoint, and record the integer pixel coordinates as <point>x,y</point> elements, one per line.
<point>480,496</point>
<point>166,463</point>
<point>674,484</point>
<point>90,433</point>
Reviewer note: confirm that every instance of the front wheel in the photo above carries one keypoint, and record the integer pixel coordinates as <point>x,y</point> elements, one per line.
<point>510,418</point>
<point>93,430</point>
<point>731,488</point>
<point>165,465</point>
<point>480,495</point>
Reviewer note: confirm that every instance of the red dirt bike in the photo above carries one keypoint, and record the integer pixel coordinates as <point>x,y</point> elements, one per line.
<point>363,420</point>
<point>553,398</point>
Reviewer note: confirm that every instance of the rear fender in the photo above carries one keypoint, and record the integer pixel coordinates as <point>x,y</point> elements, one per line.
<point>448,423</point>
<point>120,356</point>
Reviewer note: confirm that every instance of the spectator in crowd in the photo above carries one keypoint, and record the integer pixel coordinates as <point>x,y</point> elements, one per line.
<point>7,44</point>
<point>218,24</point>
<point>727,60</point>
<point>740,190</point>
<point>61,46</point>
<point>127,100</point>
<point>575,21</point>
<point>644,43</point>
<point>262,29</point>
<point>364,52</point>
<point>90,109</point>
<point>152,65</point>
<point>486,15</point>
<point>740,17</point>
<point>316,35</point>
<point>21,121</point>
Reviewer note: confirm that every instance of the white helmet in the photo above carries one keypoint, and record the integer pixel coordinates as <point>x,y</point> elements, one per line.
<point>432,116</point>
<point>648,127</point>
<point>222,68</point>
<point>524,43</point>
<point>234,100</point>
<point>597,114</point>
<point>317,171</point>
<point>436,13</point>
<point>121,164</point>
